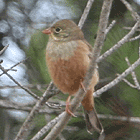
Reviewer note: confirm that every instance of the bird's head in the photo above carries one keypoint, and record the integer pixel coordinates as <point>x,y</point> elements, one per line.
<point>64,30</point>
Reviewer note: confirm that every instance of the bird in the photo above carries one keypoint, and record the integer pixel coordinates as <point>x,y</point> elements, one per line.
<point>68,59</point>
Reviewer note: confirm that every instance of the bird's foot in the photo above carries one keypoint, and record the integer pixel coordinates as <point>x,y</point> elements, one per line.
<point>83,86</point>
<point>67,107</point>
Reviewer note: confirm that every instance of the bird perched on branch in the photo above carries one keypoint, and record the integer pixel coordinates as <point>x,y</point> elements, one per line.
<point>67,56</point>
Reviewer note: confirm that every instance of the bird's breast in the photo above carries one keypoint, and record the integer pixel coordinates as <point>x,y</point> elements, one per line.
<point>68,70</point>
<point>63,50</point>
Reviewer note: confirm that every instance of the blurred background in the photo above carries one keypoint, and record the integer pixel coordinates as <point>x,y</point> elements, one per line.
<point>21,23</point>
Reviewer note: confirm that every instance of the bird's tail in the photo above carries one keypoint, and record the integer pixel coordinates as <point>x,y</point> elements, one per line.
<point>92,121</point>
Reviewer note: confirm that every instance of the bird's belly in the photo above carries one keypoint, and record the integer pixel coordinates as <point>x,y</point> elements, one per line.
<point>68,72</point>
<point>67,75</point>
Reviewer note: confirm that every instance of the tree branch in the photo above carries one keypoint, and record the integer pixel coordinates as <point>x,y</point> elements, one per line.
<point>118,79</point>
<point>26,125</point>
<point>137,85</point>
<point>85,13</point>
<point>26,89</point>
<point>47,127</point>
<point>120,118</point>
<point>120,43</point>
<point>128,6</point>
<point>110,26</point>
<point>133,74</point>
<point>13,66</point>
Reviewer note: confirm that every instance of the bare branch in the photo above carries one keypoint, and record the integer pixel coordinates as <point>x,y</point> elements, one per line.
<point>134,38</point>
<point>129,28</point>
<point>127,82</point>
<point>47,127</point>
<point>120,118</point>
<point>85,13</point>
<point>27,124</point>
<point>118,79</point>
<point>4,104</point>
<point>13,66</point>
<point>110,26</point>
<point>37,86</point>
<point>120,43</point>
<point>133,74</point>
<point>26,89</point>
<point>128,6</point>
<point>9,105</point>
<point>50,94</point>
<point>2,51</point>
<point>101,116</point>
<point>136,86</point>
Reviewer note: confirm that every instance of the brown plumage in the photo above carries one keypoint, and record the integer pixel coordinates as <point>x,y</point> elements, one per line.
<point>67,56</point>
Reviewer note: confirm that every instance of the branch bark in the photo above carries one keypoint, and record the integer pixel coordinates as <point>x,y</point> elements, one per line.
<point>26,125</point>
<point>120,43</point>
<point>85,13</point>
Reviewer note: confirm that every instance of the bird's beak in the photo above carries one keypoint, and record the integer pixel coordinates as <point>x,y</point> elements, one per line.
<point>47,31</point>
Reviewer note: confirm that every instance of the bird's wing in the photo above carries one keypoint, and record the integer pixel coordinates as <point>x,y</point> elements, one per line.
<point>89,46</point>
<point>90,49</point>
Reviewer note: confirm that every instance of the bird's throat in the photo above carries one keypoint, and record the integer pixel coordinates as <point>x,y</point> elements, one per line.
<point>63,50</point>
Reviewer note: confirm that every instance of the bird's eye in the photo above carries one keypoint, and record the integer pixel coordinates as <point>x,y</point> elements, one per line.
<point>57,30</point>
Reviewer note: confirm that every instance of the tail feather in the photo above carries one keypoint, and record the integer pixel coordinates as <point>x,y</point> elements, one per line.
<point>92,122</point>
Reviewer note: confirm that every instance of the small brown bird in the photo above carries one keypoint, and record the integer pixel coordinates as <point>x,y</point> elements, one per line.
<point>67,56</point>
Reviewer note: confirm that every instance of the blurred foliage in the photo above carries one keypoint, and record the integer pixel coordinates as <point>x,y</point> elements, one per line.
<point>36,54</point>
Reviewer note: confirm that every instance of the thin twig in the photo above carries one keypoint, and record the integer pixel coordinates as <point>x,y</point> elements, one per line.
<point>9,105</point>
<point>127,82</point>
<point>101,116</point>
<point>136,86</point>
<point>47,127</point>
<point>120,118</point>
<point>120,43</point>
<point>4,104</point>
<point>126,37</point>
<point>133,74</point>
<point>129,28</point>
<point>37,86</point>
<point>85,13</point>
<point>129,7</point>
<point>27,124</point>
<point>134,38</point>
<point>2,51</point>
<point>26,89</point>
<point>110,26</point>
<point>14,66</point>
<point>118,79</point>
